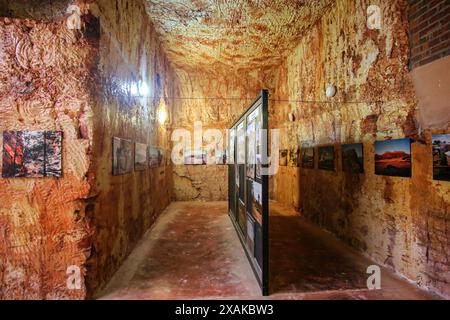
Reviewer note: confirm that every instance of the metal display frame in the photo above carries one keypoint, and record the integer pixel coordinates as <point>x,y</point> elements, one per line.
<point>261,268</point>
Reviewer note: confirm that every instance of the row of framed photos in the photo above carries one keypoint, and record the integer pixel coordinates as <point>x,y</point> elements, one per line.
<point>145,156</point>
<point>200,157</point>
<point>392,157</point>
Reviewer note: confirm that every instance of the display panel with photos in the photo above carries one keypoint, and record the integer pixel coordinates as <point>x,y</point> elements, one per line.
<point>248,201</point>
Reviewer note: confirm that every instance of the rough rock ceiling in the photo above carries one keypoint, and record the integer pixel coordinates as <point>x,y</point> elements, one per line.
<point>240,34</point>
<point>36,9</point>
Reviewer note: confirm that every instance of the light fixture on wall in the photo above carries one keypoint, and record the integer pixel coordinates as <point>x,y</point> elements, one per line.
<point>143,88</point>
<point>162,115</point>
<point>139,89</point>
<point>330,92</point>
<point>73,21</point>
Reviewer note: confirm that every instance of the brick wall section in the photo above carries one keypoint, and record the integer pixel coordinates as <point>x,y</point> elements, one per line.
<point>429,30</point>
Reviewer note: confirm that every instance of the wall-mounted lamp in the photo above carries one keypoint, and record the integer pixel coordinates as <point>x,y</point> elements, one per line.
<point>143,88</point>
<point>139,89</point>
<point>73,21</point>
<point>330,91</point>
<point>162,115</point>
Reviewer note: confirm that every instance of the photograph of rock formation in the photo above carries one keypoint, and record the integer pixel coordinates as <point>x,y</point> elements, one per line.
<point>32,154</point>
<point>393,157</point>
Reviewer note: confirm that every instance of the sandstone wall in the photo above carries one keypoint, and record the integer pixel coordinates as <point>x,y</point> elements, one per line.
<point>126,206</point>
<point>79,82</point>
<point>399,222</point>
<point>216,100</point>
<point>45,84</point>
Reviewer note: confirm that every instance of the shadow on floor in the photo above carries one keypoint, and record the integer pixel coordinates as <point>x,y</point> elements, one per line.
<point>193,252</point>
<point>305,260</point>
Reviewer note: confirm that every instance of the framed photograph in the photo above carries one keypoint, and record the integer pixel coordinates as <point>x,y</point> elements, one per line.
<point>353,158</point>
<point>327,158</point>
<point>441,157</point>
<point>256,193</point>
<point>241,143</point>
<point>251,144</point>
<point>258,167</point>
<point>308,157</point>
<point>221,157</point>
<point>189,157</point>
<point>242,218</point>
<point>122,156</point>
<point>284,157</point>
<point>393,158</point>
<point>140,157</point>
<point>32,154</point>
<point>201,157</point>
<point>294,157</point>
<point>231,146</point>
<point>250,234</point>
<point>195,157</point>
<point>153,157</point>
<point>236,174</point>
<point>161,157</point>
<point>168,157</point>
<point>259,144</point>
<point>259,131</point>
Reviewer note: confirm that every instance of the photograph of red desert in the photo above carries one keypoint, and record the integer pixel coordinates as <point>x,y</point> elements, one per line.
<point>393,157</point>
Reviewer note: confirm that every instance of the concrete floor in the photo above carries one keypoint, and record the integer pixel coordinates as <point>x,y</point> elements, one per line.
<point>193,252</point>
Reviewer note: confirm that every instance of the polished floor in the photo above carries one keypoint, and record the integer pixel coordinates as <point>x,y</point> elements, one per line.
<point>193,252</point>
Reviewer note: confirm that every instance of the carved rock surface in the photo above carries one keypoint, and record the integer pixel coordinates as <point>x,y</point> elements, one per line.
<point>45,83</point>
<point>35,9</point>
<point>127,206</point>
<point>231,34</point>
<point>401,223</point>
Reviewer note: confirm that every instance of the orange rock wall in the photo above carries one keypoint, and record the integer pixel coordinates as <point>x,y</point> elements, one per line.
<point>402,223</point>
<point>215,100</point>
<point>79,82</point>
<point>126,206</point>
<point>45,84</point>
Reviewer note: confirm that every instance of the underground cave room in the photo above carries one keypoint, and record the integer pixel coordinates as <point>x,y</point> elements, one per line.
<point>224,150</point>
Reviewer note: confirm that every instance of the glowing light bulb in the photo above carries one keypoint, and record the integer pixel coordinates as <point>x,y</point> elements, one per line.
<point>143,89</point>
<point>134,91</point>
<point>162,115</point>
